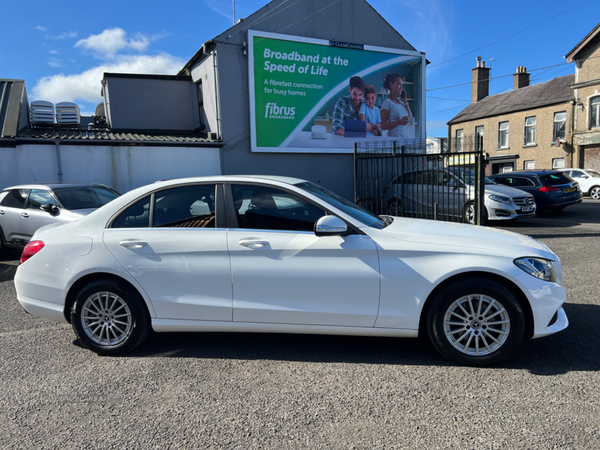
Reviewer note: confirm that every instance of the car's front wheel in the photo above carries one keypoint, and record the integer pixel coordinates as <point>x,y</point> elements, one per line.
<point>394,207</point>
<point>595,192</point>
<point>110,317</point>
<point>475,322</point>
<point>470,216</point>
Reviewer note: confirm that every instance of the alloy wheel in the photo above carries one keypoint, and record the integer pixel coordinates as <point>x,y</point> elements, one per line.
<point>106,319</point>
<point>476,325</point>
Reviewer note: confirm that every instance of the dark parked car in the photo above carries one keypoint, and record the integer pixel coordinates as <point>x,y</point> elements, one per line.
<point>27,207</point>
<point>553,190</point>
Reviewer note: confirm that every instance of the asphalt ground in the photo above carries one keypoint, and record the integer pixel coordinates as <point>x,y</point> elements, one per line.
<point>245,391</point>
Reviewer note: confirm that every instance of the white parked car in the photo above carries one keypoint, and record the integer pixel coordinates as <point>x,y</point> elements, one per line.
<point>283,255</point>
<point>589,181</point>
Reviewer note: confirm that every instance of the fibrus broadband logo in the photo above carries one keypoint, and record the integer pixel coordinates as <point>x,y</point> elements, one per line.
<point>272,111</point>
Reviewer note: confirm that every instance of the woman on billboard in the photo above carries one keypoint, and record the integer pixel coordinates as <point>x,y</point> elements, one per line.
<point>395,112</point>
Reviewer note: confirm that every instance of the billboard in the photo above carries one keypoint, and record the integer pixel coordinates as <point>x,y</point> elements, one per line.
<point>317,96</point>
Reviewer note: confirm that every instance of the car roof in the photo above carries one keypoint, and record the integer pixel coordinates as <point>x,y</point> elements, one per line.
<point>525,172</point>
<point>53,185</point>
<point>234,178</point>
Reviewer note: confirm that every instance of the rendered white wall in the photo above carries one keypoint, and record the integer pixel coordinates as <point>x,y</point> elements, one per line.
<point>120,167</point>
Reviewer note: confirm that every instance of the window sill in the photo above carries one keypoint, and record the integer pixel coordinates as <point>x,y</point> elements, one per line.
<point>502,148</point>
<point>562,141</point>
<point>529,145</point>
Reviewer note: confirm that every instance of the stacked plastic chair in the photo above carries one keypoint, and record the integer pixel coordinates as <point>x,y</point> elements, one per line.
<point>42,112</point>
<point>67,113</point>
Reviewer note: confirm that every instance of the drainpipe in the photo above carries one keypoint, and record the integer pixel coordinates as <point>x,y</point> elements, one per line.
<point>58,161</point>
<point>217,99</point>
<point>573,103</point>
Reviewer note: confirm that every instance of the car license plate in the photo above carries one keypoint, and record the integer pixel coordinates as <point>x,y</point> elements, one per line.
<point>527,208</point>
<point>571,189</point>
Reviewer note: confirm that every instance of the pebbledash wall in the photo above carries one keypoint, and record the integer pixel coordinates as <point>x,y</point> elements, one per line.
<point>221,68</point>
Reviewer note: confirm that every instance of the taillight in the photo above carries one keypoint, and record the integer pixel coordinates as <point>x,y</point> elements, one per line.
<point>31,249</point>
<point>549,189</point>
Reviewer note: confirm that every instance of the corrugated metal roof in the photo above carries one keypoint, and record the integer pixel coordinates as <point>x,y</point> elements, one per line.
<point>102,135</point>
<point>538,95</point>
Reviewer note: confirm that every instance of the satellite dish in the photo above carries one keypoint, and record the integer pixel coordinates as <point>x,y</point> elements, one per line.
<point>100,110</point>
<point>556,142</point>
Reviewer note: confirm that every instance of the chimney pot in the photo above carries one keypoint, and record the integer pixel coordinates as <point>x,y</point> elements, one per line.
<point>520,78</point>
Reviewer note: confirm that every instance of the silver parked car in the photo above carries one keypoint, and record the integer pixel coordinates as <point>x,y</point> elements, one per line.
<point>450,192</point>
<point>25,208</point>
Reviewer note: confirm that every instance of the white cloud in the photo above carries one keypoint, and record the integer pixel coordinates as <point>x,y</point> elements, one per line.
<point>111,41</point>
<point>222,7</point>
<point>55,62</point>
<point>53,52</point>
<point>86,86</point>
<point>40,28</point>
<point>65,35</point>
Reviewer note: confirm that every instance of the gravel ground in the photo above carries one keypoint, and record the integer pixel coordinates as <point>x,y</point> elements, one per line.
<point>243,391</point>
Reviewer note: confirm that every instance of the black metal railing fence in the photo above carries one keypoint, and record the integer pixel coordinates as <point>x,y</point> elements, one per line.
<point>406,181</point>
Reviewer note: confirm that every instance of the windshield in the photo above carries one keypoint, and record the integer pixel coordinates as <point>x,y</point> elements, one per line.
<point>85,197</point>
<point>352,209</point>
<point>468,175</point>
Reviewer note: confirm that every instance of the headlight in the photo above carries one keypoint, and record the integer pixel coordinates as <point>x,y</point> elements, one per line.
<point>537,267</point>
<point>501,199</point>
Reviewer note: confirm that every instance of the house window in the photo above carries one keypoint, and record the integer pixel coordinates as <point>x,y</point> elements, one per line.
<point>595,112</point>
<point>479,138</point>
<point>503,135</point>
<point>530,131</point>
<point>558,163</point>
<point>560,118</point>
<point>460,140</point>
<point>529,165</point>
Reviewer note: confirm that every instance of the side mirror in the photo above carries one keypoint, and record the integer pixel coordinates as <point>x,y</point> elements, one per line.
<point>50,209</point>
<point>584,177</point>
<point>330,226</point>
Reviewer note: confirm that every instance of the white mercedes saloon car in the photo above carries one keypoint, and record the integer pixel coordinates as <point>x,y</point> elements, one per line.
<point>283,255</point>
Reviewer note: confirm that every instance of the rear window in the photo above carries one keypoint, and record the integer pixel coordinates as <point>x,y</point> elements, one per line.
<point>85,197</point>
<point>555,179</point>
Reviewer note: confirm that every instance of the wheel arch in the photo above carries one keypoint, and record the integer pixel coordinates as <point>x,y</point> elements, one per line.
<point>512,287</point>
<point>89,278</point>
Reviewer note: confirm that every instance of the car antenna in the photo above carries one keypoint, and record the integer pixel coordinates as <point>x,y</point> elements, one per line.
<point>33,175</point>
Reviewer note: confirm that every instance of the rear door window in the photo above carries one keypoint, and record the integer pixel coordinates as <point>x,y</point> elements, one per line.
<point>15,198</point>
<point>186,207</point>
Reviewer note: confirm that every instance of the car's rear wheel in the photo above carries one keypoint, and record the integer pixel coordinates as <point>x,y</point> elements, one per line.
<point>595,192</point>
<point>110,317</point>
<point>475,322</point>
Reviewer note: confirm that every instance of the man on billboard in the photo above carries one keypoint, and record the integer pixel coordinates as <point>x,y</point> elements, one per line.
<point>348,108</point>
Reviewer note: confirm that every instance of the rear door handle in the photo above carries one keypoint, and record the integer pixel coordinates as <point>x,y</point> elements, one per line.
<point>253,243</point>
<point>25,215</point>
<point>132,244</point>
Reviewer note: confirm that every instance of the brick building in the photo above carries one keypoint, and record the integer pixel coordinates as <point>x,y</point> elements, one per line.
<point>553,124</point>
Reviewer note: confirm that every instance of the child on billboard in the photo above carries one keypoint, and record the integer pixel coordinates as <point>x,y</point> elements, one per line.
<point>370,113</point>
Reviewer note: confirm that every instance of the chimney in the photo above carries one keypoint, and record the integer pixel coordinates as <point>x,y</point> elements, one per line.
<point>521,78</point>
<point>480,86</point>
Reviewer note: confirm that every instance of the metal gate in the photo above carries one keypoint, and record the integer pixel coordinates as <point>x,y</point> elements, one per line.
<point>407,182</point>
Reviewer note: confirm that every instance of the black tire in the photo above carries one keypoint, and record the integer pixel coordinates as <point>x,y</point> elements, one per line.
<point>118,319</point>
<point>595,192</point>
<point>394,207</point>
<point>469,214</point>
<point>1,241</point>
<point>487,337</point>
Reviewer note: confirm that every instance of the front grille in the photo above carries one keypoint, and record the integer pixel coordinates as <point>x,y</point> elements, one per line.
<point>523,201</point>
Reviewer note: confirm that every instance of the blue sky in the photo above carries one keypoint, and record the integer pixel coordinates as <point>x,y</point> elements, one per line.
<point>62,48</point>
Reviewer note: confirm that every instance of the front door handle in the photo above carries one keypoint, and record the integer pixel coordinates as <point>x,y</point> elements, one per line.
<point>253,243</point>
<point>132,244</point>
<point>25,215</point>
<point>1,212</point>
